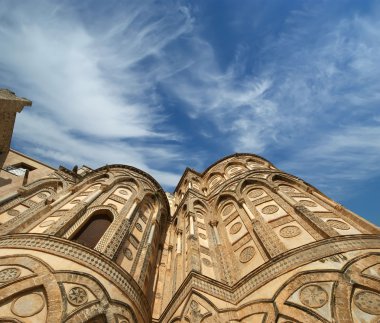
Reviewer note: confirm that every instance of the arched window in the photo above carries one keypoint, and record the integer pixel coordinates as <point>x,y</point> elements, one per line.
<point>93,230</point>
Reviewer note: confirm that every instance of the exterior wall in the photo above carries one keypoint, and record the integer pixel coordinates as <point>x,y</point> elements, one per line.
<point>10,183</point>
<point>240,242</point>
<point>249,243</point>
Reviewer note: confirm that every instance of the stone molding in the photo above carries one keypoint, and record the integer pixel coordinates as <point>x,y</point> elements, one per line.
<point>268,271</point>
<point>85,256</point>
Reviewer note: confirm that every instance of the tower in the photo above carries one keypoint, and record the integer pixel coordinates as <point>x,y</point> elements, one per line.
<point>250,243</point>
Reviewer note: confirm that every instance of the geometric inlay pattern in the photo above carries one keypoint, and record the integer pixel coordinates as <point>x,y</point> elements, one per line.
<point>290,231</point>
<point>13,212</point>
<point>42,195</point>
<point>128,253</point>
<point>313,296</point>
<point>77,296</point>
<point>270,209</point>
<point>235,228</point>
<point>9,274</point>
<point>308,203</point>
<point>247,254</point>
<point>287,189</point>
<point>338,225</point>
<point>227,210</point>
<point>255,193</point>
<point>368,302</point>
<point>139,227</point>
<point>124,192</point>
<point>206,262</point>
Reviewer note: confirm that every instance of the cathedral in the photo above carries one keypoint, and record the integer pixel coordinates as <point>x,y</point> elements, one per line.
<point>240,241</point>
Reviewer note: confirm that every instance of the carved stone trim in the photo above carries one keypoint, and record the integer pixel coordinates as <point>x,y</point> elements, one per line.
<point>273,268</point>
<point>83,255</point>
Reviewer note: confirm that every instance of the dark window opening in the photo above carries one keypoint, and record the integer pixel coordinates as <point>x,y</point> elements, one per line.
<point>19,169</point>
<point>93,230</point>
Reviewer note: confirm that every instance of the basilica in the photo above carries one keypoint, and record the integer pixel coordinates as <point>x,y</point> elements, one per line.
<point>240,241</point>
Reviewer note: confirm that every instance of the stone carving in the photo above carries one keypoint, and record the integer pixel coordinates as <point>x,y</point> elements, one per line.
<point>77,296</point>
<point>308,203</point>
<point>368,302</point>
<point>124,192</point>
<point>206,262</point>
<point>47,223</point>
<point>313,296</point>
<point>13,212</point>
<point>203,236</point>
<point>227,209</point>
<point>236,228</point>
<point>75,202</point>
<point>287,189</point>
<point>28,305</point>
<point>9,274</point>
<point>42,195</point>
<point>29,203</point>
<point>139,227</point>
<point>338,225</point>
<point>128,253</point>
<point>195,312</point>
<point>255,193</point>
<point>290,231</point>
<point>270,209</point>
<point>247,254</point>
<point>112,205</point>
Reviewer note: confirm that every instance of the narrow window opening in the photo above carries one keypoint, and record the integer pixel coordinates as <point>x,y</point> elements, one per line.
<point>93,230</point>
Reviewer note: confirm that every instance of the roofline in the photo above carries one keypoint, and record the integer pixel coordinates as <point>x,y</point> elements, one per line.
<point>35,160</point>
<point>137,170</point>
<point>215,163</point>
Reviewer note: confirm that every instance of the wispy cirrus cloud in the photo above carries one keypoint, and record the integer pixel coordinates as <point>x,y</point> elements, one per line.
<point>312,105</point>
<point>93,103</point>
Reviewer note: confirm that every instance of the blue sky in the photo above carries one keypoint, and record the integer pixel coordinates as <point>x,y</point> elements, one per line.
<point>162,85</point>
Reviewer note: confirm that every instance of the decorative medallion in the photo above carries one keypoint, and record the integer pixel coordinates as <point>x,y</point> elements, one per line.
<point>124,192</point>
<point>128,253</point>
<point>203,236</point>
<point>255,193</point>
<point>227,210</point>
<point>368,302</point>
<point>28,305</point>
<point>47,223</point>
<point>270,209</point>
<point>308,203</point>
<point>290,231</point>
<point>247,254</point>
<point>112,205</point>
<point>13,212</point>
<point>313,296</point>
<point>236,228</point>
<point>206,262</point>
<point>139,227</point>
<point>338,225</point>
<point>77,296</point>
<point>9,274</point>
<point>42,195</point>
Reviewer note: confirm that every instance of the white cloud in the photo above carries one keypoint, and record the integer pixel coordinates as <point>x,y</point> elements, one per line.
<point>91,96</point>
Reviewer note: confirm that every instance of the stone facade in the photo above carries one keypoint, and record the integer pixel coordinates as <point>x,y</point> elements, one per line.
<point>240,242</point>
<point>10,104</point>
